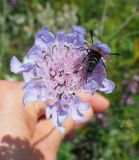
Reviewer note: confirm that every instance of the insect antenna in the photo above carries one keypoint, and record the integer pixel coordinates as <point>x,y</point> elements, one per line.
<point>91,34</point>
<point>116,54</point>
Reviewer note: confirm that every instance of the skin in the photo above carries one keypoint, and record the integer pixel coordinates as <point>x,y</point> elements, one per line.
<point>28,125</point>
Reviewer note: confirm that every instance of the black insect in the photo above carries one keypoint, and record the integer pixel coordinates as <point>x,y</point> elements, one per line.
<point>94,56</point>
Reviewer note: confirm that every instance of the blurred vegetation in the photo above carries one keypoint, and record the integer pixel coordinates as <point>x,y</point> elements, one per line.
<point>110,136</point>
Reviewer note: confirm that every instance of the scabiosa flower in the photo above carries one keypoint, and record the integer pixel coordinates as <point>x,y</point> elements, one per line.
<point>54,69</point>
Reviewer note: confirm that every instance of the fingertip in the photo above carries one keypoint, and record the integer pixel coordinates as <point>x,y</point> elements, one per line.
<point>88,116</point>
<point>85,97</point>
<point>99,103</point>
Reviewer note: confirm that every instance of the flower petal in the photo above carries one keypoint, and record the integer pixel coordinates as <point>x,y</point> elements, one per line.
<point>62,117</point>
<point>15,65</point>
<point>61,129</point>
<point>83,106</point>
<point>35,53</point>
<point>43,37</point>
<point>79,30</point>
<point>58,124</point>
<point>60,36</point>
<point>28,76</point>
<point>31,96</point>
<point>33,84</point>
<point>76,115</point>
<point>74,38</point>
<point>103,47</point>
<point>108,86</point>
<point>48,111</point>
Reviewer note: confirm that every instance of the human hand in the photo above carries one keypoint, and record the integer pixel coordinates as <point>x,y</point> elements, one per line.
<point>26,125</point>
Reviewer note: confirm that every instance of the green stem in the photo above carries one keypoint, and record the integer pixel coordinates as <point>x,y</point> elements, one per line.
<point>101,29</point>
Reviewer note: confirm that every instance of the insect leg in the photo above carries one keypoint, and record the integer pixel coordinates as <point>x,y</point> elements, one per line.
<point>84,58</point>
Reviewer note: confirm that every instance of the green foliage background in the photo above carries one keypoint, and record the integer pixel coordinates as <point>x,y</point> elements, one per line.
<point>115,22</point>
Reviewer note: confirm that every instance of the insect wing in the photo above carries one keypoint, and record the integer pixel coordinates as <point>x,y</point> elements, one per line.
<point>104,56</point>
<point>101,53</point>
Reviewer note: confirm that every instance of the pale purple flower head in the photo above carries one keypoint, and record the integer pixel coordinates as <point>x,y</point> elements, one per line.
<point>54,69</point>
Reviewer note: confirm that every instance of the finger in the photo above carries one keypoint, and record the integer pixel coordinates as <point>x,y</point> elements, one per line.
<point>88,114</point>
<point>97,101</point>
<point>48,138</point>
<point>44,126</point>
